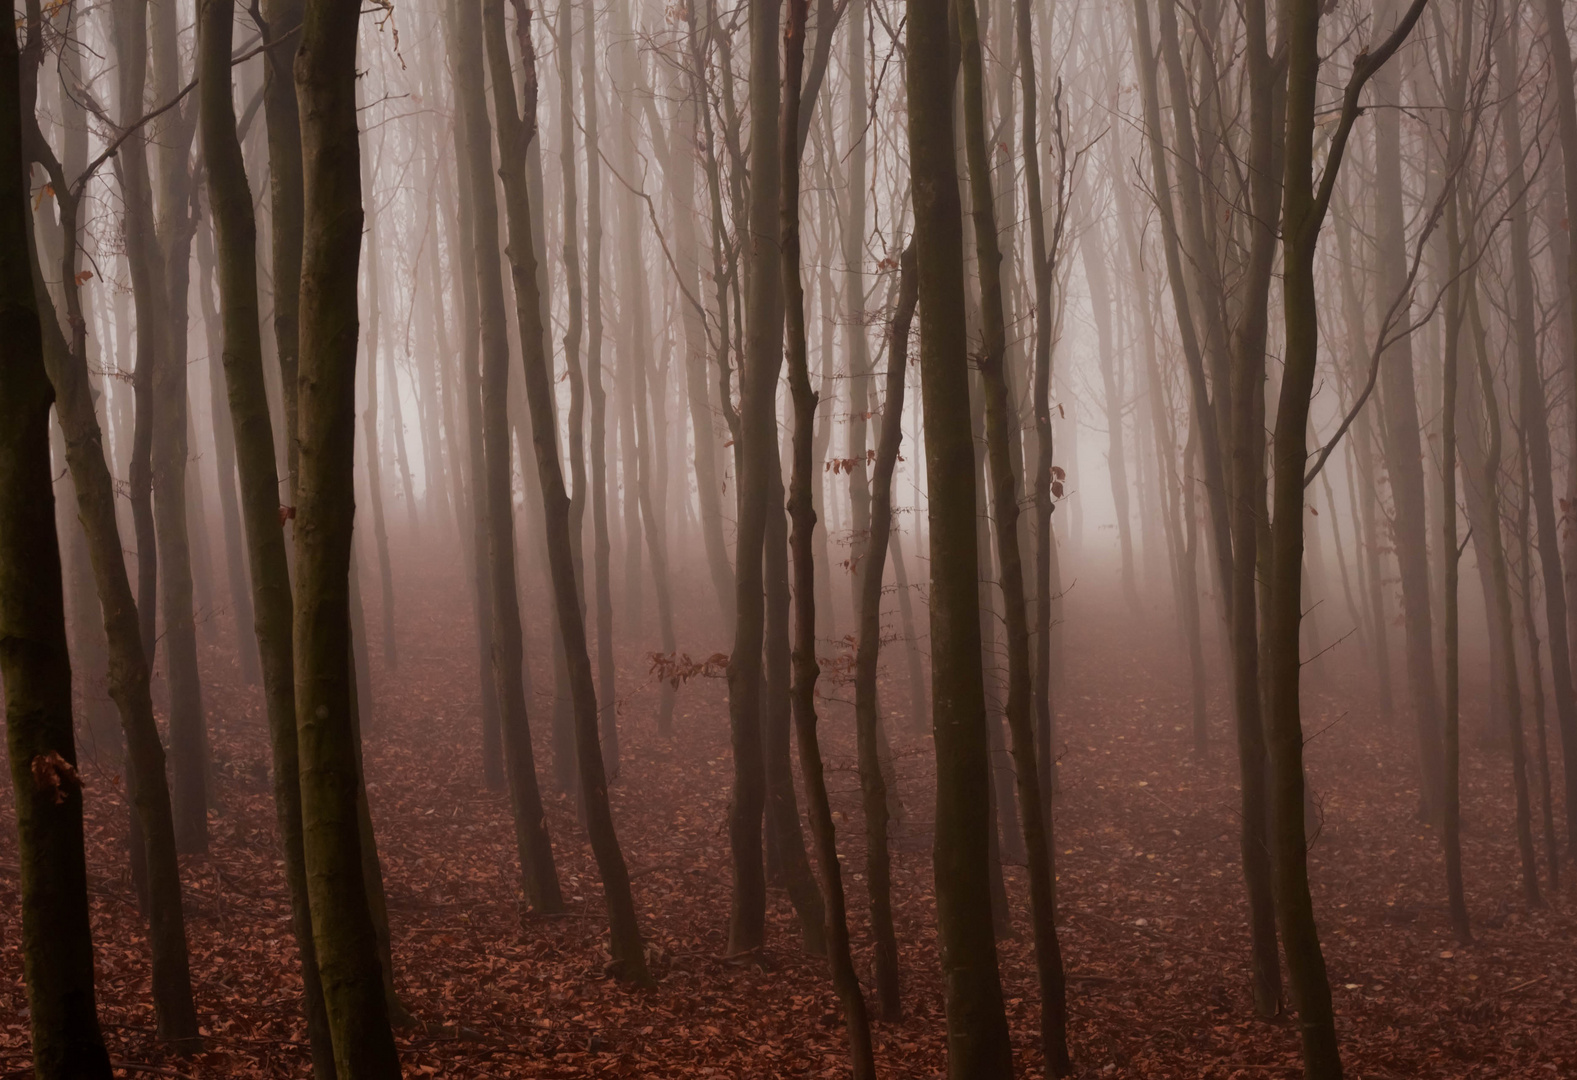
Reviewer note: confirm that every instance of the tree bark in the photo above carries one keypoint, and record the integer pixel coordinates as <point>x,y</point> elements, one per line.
<point>326,725</point>
<point>977,1032</point>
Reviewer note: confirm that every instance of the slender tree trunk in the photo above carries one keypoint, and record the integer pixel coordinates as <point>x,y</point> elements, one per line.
<point>1451,830</point>
<point>169,450</point>
<point>57,939</point>
<point>1403,447</point>
<point>1502,624</point>
<point>466,269</point>
<point>977,1032</point>
<point>153,850</point>
<point>327,730</point>
<point>803,472</point>
<point>601,547</point>
<point>1533,410</point>
<point>514,134</point>
<point>755,439</point>
<point>867,716</point>
<point>539,875</point>
<point>1000,417</point>
<point>235,237</point>
<point>224,459</point>
<point>1304,208</point>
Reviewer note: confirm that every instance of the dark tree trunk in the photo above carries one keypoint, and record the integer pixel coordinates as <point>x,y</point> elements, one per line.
<point>235,237</point>
<point>1000,419</point>
<point>977,1032</point>
<point>57,942</point>
<point>471,386</point>
<point>845,980</point>
<point>755,440</point>
<point>343,930</point>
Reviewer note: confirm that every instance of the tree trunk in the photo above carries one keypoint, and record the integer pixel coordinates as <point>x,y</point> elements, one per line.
<point>803,472</point>
<point>867,716</point>
<point>514,134</point>
<point>755,439</point>
<point>369,419</point>
<point>1000,418</point>
<point>1533,409</point>
<point>539,875</point>
<point>235,238</point>
<point>57,941</point>
<point>225,467</point>
<point>343,930</point>
<point>601,547</point>
<point>1403,447</point>
<point>977,1032</point>
<point>153,850</point>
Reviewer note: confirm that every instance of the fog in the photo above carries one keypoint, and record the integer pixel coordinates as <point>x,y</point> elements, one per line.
<point>879,537</point>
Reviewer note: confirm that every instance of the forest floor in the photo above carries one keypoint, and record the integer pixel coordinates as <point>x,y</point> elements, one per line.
<point>1153,912</point>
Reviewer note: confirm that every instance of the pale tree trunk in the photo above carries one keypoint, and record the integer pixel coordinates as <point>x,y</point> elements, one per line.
<point>369,419</point>
<point>601,547</point>
<point>534,847</point>
<point>867,715</point>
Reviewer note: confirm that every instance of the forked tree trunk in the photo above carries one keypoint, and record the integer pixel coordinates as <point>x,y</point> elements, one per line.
<point>1304,207</point>
<point>153,832</point>
<point>235,237</point>
<point>601,547</point>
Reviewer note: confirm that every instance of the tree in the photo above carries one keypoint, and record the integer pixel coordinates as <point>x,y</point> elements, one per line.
<point>977,1033</point>
<point>1303,212</point>
<point>326,725</point>
<point>235,238</point>
<point>57,942</point>
<point>534,847</point>
<point>516,128</point>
